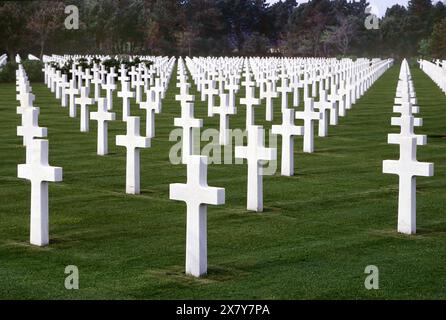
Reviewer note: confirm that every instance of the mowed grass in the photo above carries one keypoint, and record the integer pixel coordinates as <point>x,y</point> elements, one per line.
<point>319,230</point>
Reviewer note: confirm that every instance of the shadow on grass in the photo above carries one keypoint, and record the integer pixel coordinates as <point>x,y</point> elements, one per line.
<point>215,274</point>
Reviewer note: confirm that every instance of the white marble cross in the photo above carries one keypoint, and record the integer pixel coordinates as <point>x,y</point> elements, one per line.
<point>407,124</point>
<point>132,75</point>
<point>30,126</point>
<point>210,92</point>
<point>123,74</point>
<point>26,100</point>
<point>125,94</point>
<point>407,168</point>
<point>295,85</point>
<point>284,89</point>
<point>184,95</point>
<point>159,90</point>
<point>102,116</point>
<point>287,130</point>
<point>345,101</point>
<point>133,141</point>
<point>406,109</point>
<point>224,110</point>
<point>79,74</point>
<point>254,152</point>
<point>232,87</point>
<point>269,95</point>
<point>58,84</point>
<point>187,122</point>
<point>197,195</point>
<point>151,108</point>
<point>109,88</point>
<point>72,92</point>
<point>250,101</point>
<point>39,172</point>
<point>65,84</point>
<point>88,77</point>
<point>324,107</point>
<point>84,101</point>
<point>97,85</point>
<point>332,106</point>
<point>139,84</point>
<point>308,116</point>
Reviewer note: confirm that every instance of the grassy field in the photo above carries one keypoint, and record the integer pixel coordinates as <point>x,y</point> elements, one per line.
<point>319,231</point>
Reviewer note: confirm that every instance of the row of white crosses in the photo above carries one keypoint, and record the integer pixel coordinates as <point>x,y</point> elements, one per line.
<point>407,167</point>
<point>255,151</point>
<point>359,76</point>
<point>436,72</point>
<point>36,168</point>
<point>102,79</point>
<point>196,192</point>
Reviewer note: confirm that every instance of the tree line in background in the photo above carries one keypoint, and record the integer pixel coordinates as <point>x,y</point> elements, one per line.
<point>223,27</point>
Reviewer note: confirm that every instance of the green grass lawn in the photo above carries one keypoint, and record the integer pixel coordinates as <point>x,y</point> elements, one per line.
<point>319,230</point>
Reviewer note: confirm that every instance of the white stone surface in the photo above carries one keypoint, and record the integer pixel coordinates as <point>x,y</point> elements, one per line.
<point>197,195</point>
<point>84,101</point>
<point>287,130</point>
<point>102,116</point>
<point>254,152</point>
<point>133,142</point>
<point>39,172</point>
<point>309,115</point>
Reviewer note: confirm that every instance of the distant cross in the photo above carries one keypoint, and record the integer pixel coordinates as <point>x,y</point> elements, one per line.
<point>269,95</point>
<point>187,122</point>
<point>406,108</point>
<point>197,195</point>
<point>72,92</point>
<point>139,84</point>
<point>64,84</point>
<point>103,72</point>
<point>84,101</point>
<point>224,110</point>
<point>151,108</point>
<point>102,116</point>
<point>287,130</point>
<point>30,126</point>
<point>284,89</point>
<point>123,74</point>
<point>97,85</point>
<point>249,100</point>
<point>58,84</point>
<point>232,87</point>
<point>324,108</point>
<point>132,75</point>
<point>125,94</point>
<point>88,77</point>
<point>407,123</point>
<point>295,85</point>
<point>26,100</point>
<point>159,89</point>
<point>112,74</point>
<point>210,92</point>
<point>184,95</point>
<point>133,141</point>
<point>254,152</point>
<point>336,98</point>
<point>39,172</point>
<point>345,101</point>
<point>308,116</point>
<point>109,88</point>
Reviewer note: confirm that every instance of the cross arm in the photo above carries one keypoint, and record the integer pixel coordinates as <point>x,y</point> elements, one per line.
<point>395,138</point>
